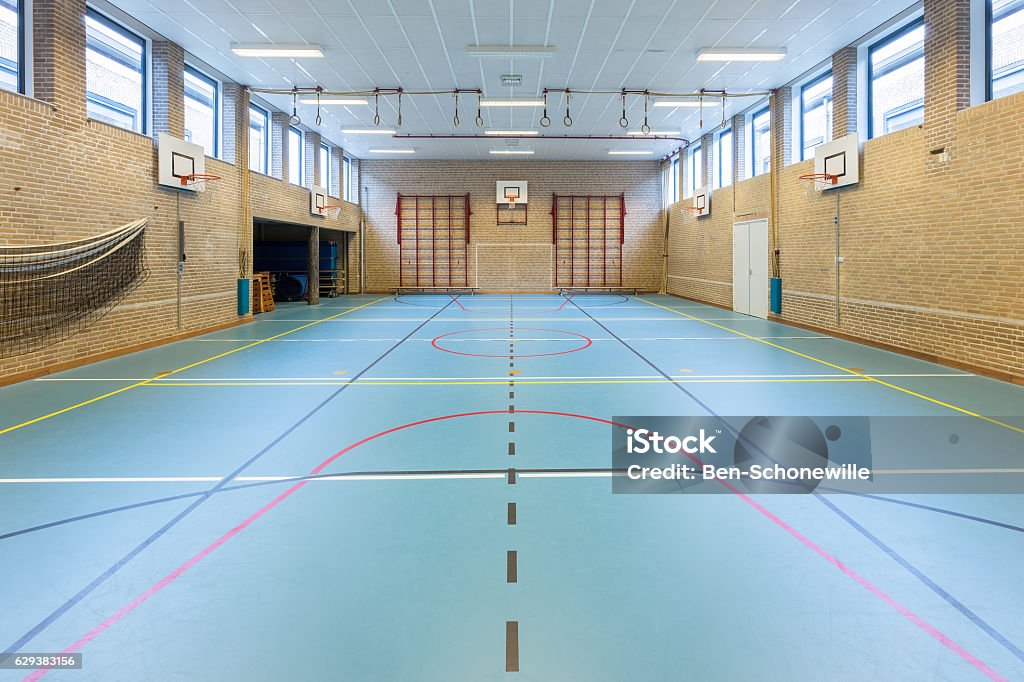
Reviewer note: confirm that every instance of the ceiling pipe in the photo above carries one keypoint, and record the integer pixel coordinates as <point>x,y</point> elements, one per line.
<point>631,138</point>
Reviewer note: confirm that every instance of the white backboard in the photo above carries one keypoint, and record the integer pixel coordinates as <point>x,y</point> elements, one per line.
<point>702,202</point>
<point>317,199</point>
<point>516,186</point>
<point>177,158</point>
<point>839,157</point>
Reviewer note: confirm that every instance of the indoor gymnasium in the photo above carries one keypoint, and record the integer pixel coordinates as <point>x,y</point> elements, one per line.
<point>554,340</point>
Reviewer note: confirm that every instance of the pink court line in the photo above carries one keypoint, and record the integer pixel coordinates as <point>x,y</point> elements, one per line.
<point>111,620</point>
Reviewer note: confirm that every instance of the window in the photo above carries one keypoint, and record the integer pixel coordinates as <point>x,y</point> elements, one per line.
<point>1006,47</point>
<point>295,156</point>
<point>115,73</point>
<point>896,81</point>
<point>815,114</point>
<point>12,45</point>
<point>694,177</point>
<point>761,137</point>
<point>346,179</point>
<point>202,104</point>
<point>259,139</point>
<point>325,169</point>
<point>673,180</point>
<point>723,166</point>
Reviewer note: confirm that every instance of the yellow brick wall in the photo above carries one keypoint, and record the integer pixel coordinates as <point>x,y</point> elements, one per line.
<point>932,259</point>
<point>514,257</point>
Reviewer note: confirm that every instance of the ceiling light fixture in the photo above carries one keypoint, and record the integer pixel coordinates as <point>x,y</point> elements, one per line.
<point>277,50</point>
<point>640,133</point>
<point>392,151</point>
<point>511,80</point>
<point>506,102</point>
<point>367,131</point>
<point>511,151</point>
<point>510,51</point>
<point>333,101</point>
<point>629,152</point>
<point>510,133</point>
<point>741,54</point>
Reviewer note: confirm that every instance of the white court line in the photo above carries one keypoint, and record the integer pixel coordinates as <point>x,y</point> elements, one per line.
<point>573,340</point>
<point>519,377</point>
<point>436,320</point>
<point>428,477</point>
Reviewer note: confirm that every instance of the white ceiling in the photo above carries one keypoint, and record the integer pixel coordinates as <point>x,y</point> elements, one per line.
<point>600,44</point>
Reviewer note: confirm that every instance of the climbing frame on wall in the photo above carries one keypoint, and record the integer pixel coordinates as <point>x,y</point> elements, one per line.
<point>433,241</point>
<point>588,232</point>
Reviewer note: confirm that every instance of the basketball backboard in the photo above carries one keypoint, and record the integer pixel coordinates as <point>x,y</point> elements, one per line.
<point>702,202</point>
<point>839,158</point>
<point>317,199</point>
<point>177,159</point>
<point>511,192</point>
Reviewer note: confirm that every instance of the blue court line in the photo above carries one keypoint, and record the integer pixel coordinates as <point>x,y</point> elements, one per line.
<point>118,565</point>
<point>931,584</point>
<point>917,505</point>
<point>917,573</point>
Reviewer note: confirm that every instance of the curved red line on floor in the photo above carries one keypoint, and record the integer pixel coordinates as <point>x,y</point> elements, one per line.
<point>436,339</point>
<point>924,625</point>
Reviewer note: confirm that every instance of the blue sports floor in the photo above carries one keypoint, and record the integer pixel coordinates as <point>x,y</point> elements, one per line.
<point>171,513</point>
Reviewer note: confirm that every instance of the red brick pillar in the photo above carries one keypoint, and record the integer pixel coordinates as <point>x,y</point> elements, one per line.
<point>58,55</point>
<point>947,75</point>
<point>168,76</point>
<point>844,92</point>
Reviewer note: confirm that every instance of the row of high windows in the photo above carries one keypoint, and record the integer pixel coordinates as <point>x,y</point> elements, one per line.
<point>117,65</point>
<point>894,67</point>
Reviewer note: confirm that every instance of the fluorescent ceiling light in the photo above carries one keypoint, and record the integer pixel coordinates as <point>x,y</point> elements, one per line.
<point>392,151</point>
<point>681,103</point>
<point>741,54</point>
<point>506,102</point>
<point>511,151</point>
<point>276,50</point>
<point>640,133</point>
<point>510,133</point>
<point>511,51</point>
<point>630,152</point>
<point>367,131</point>
<point>326,101</point>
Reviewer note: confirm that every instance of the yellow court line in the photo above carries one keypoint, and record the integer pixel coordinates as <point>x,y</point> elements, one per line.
<point>180,384</point>
<point>146,382</point>
<point>929,399</point>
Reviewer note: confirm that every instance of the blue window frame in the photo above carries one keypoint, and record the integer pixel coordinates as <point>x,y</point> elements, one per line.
<point>723,160</point>
<point>896,81</point>
<point>259,139</point>
<point>673,181</point>
<point>1005,47</point>
<point>815,114</point>
<point>116,73</point>
<point>202,110</point>
<point>326,178</point>
<point>761,142</point>
<point>12,45</point>
<point>346,178</point>
<point>295,160</point>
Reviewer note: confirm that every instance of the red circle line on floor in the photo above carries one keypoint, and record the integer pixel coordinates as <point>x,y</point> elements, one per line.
<point>435,342</point>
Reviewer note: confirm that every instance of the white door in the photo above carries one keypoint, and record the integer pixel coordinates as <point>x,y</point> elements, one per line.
<point>758,256</point>
<point>741,268</point>
<point>750,268</point>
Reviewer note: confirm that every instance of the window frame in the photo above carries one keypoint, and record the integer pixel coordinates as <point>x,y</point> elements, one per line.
<point>825,102</point>
<point>766,109</point>
<point>345,184</point>
<point>210,80</point>
<point>990,20</point>
<point>691,176</point>
<point>325,170</point>
<point>266,137</point>
<point>673,178</point>
<point>301,156</point>
<point>719,156</point>
<point>21,36</point>
<point>906,59</point>
<point>144,72</point>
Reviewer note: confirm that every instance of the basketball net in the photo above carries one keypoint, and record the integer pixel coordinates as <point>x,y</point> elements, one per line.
<point>331,212</point>
<point>816,183</point>
<point>511,200</point>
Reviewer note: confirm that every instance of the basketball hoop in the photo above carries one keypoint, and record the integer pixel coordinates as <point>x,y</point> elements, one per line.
<point>330,211</point>
<point>512,195</point>
<point>694,211</point>
<point>816,183</point>
<point>197,181</point>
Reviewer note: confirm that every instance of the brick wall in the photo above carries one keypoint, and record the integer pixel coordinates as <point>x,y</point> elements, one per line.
<point>523,249</point>
<point>932,260</point>
<point>47,197</point>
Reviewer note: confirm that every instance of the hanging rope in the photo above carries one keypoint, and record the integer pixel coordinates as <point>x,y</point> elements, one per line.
<point>295,120</point>
<point>376,108</point>
<point>624,122</point>
<point>398,122</point>
<point>479,114</point>
<point>568,119</point>
<point>544,120</point>
<point>319,120</point>
<point>645,129</point>
<point>455,119</point>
